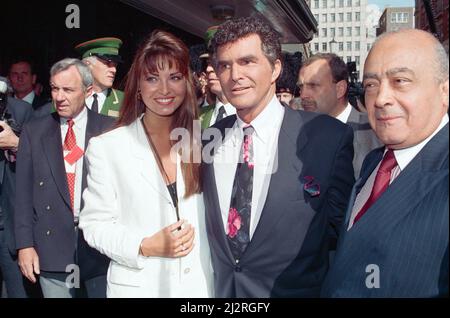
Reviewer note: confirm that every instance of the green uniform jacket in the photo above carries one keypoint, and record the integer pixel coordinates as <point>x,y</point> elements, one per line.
<point>113,102</point>
<point>205,115</point>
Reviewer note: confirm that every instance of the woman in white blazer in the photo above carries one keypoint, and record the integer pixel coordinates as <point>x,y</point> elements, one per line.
<point>143,206</point>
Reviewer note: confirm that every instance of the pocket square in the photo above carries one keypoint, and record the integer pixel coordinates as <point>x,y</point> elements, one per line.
<point>311,187</point>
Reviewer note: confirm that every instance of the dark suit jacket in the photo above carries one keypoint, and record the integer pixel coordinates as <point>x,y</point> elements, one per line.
<point>364,139</point>
<point>20,112</point>
<point>405,232</point>
<point>44,218</point>
<point>288,253</point>
<point>39,101</point>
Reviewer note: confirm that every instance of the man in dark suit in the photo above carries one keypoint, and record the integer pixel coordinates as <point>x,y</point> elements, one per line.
<point>50,178</point>
<point>276,181</point>
<point>14,113</point>
<point>23,79</point>
<point>395,237</point>
<point>323,83</point>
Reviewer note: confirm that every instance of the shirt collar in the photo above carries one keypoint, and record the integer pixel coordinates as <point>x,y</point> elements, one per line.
<point>405,156</point>
<point>29,97</point>
<point>78,119</point>
<point>343,116</point>
<point>266,122</point>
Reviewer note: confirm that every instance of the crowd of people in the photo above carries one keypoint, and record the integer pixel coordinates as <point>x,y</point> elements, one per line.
<point>210,182</point>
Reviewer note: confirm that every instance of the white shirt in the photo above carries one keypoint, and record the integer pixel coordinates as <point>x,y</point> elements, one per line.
<point>101,97</point>
<point>79,128</point>
<point>403,158</point>
<point>343,117</point>
<point>265,143</point>
<point>229,110</point>
<point>29,97</point>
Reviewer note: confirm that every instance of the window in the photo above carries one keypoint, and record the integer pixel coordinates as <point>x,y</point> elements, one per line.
<point>349,59</point>
<point>399,17</point>
<point>341,31</point>
<point>349,3</point>
<point>357,3</point>
<point>357,31</point>
<point>324,3</point>
<point>316,47</point>
<point>349,46</point>
<point>357,16</point>
<point>324,47</point>
<point>341,46</point>
<point>316,17</point>
<point>348,31</point>
<point>357,60</point>
<point>332,17</point>
<point>324,32</point>
<point>341,3</point>
<point>332,32</point>
<point>316,4</point>
<point>368,46</point>
<point>357,46</point>
<point>349,16</point>
<point>332,2</point>
<point>324,18</point>
<point>341,17</point>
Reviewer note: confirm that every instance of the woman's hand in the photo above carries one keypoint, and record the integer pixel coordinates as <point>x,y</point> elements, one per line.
<point>170,242</point>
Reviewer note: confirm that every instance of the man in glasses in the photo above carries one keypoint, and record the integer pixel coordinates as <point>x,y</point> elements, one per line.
<point>102,57</point>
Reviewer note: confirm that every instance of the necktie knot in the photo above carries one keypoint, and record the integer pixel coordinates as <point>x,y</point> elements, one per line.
<point>94,106</point>
<point>221,113</point>
<point>70,122</point>
<point>388,163</point>
<point>248,130</point>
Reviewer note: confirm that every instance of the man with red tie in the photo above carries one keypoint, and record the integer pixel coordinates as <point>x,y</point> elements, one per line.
<point>395,237</point>
<point>50,178</point>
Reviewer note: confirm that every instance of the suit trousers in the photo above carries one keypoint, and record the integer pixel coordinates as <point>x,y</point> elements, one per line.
<point>10,269</point>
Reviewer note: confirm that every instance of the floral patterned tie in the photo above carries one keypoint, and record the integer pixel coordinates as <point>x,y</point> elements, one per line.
<point>238,225</point>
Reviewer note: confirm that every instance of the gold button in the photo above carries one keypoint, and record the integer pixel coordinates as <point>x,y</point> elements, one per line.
<point>48,233</point>
<point>41,183</point>
<point>47,207</point>
<point>187,270</point>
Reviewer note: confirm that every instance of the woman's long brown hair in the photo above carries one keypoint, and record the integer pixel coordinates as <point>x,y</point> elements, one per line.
<point>159,48</point>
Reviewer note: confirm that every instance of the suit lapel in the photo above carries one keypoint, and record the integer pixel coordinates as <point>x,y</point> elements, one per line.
<point>52,144</point>
<point>288,164</point>
<point>360,183</point>
<point>146,162</point>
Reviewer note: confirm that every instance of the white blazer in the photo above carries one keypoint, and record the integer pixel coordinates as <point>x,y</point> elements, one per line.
<point>126,199</point>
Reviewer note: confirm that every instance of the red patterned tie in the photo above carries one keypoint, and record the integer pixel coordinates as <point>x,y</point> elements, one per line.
<point>69,143</point>
<point>381,181</point>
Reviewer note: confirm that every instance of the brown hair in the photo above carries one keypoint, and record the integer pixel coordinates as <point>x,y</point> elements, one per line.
<point>162,49</point>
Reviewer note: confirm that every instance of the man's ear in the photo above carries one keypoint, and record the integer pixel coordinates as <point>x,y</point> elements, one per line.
<point>341,88</point>
<point>444,93</point>
<point>33,79</point>
<point>277,66</point>
<point>88,92</point>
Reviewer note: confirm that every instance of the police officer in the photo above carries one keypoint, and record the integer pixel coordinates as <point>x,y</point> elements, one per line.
<point>102,57</point>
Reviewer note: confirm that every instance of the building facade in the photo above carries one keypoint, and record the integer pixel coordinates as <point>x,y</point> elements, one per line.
<point>345,28</point>
<point>396,18</point>
<point>439,14</point>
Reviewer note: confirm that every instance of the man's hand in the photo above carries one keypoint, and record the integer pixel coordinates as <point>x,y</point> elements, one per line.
<point>29,263</point>
<point>8,139</point>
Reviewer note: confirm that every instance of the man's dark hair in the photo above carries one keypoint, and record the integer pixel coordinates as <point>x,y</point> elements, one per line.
<point>23,60</point>
<point>339,70</point>
<point>233,30</point>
